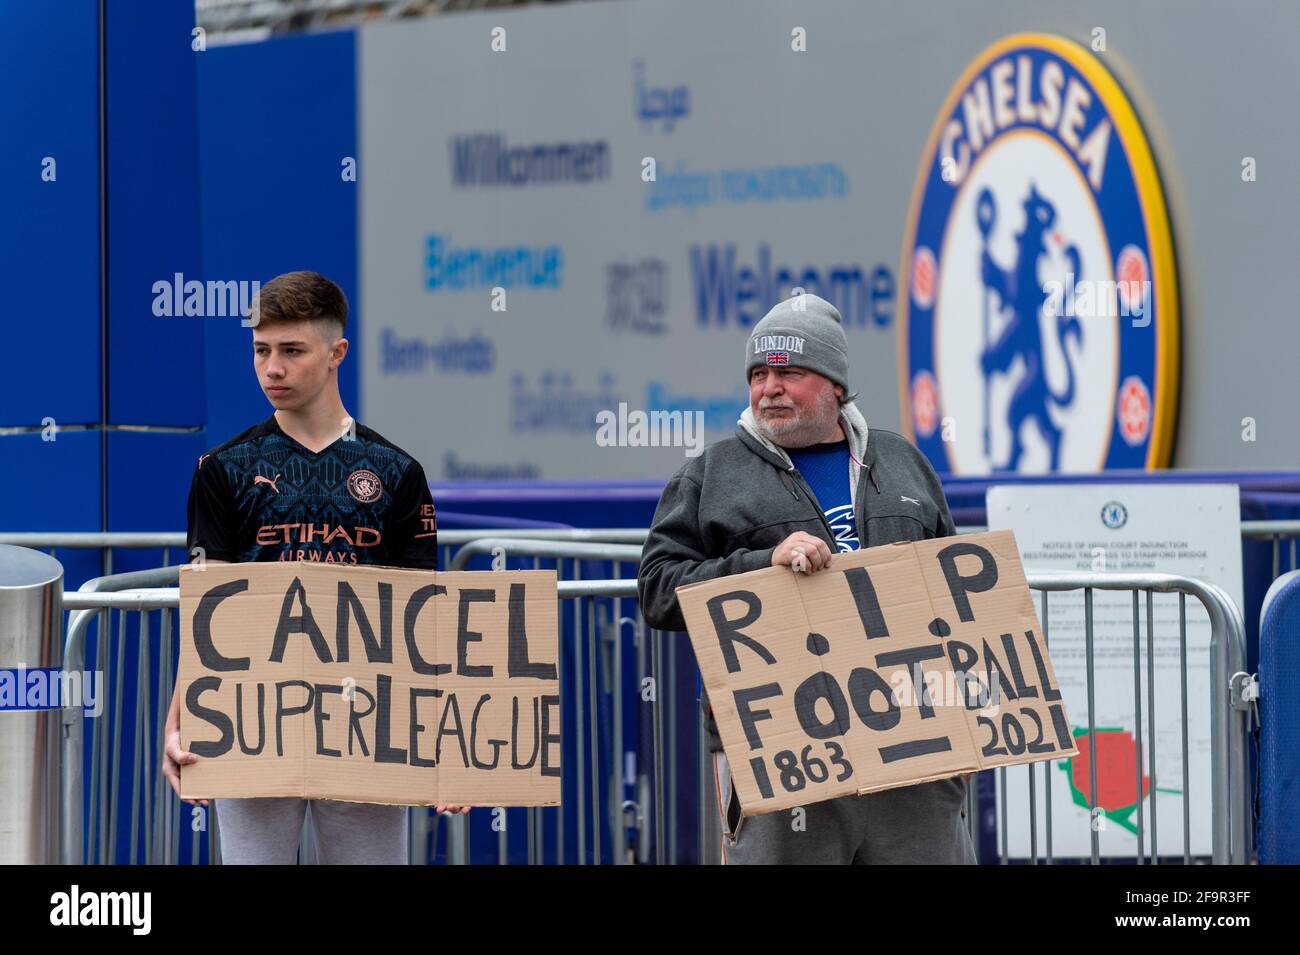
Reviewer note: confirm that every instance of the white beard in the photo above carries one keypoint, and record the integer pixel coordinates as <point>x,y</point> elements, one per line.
<point>802,430</point>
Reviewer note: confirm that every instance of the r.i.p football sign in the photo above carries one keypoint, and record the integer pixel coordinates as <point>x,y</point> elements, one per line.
<point>897,665</point>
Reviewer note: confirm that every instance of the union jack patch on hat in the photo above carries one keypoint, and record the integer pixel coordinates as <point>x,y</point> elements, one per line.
<point>778,358</point>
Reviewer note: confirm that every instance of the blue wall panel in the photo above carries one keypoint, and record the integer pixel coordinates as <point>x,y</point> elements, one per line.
<point>50,485</point>
<point>49,243</point>
<point>149,478</point>
<point>155,364</point>
<point>53,486</point>
<point>277,119</point>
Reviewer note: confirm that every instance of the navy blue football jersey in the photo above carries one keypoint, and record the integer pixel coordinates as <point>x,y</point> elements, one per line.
<point>264,496</point>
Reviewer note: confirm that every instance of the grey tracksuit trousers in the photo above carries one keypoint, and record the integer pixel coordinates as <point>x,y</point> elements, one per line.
<point>914,825</point>
<point>266,831</point>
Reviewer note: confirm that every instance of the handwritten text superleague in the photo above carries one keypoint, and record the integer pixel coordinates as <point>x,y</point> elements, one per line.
<point>296,698</point>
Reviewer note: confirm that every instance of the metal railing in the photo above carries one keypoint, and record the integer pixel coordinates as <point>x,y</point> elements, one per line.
<point>161,830</point>
<point>1231,826</point>
<point>449,541</point>
<point>594,643</point>
<point>146,590</point>
<point>653,814</point>
<point>1276,531</point>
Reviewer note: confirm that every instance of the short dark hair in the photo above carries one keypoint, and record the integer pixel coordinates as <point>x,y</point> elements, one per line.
<point>301,297</point>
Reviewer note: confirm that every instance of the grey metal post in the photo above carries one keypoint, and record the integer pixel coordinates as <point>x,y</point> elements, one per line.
<point>1047,766</point>
<point>656,662</point>
<point>563,682</point>
<point>1220,749</point>
<point>1092,725</point>
<point>1137,728</point>
<point>640,797</point>
<point>617,786</point>
<point>112,764</point>
<point>593,714</point>
<point>1033,817</point>
<point>710,829</point>
<point>73,783</point>
<point>1187,786</point>
<point>142,749</point>
<point>1151,727</point>
<point>503,845</point>
<point>580,721</point>
<point>1002,823</point>
<point>31,630</point>
<point>457,838</point>
<point>669,709</point>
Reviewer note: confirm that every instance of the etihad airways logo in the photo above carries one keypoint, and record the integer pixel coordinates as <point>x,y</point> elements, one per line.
<point>268,535</point>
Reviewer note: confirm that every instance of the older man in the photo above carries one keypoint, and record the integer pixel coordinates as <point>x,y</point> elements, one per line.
<point>802,479</point>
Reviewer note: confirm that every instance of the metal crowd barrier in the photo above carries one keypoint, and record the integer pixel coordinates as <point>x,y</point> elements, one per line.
<point>656,816</point>
<point>1231,823</point>
<point>448,540</point>
<point>155,828</point>
<point>156,824</point>
<point>158,819</point>
<point>1275,531</point>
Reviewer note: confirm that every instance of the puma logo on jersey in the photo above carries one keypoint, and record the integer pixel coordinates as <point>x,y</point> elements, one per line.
<point>262,479</point>
<point>910,500</point>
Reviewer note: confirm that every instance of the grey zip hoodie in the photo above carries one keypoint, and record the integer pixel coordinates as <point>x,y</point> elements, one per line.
<point>725,511</point>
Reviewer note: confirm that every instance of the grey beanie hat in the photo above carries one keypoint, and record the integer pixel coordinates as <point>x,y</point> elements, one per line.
<point>805,331</point>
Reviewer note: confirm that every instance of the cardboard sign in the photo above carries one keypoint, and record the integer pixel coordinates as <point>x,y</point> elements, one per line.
<point>898,665</point>
<point>370,684</point>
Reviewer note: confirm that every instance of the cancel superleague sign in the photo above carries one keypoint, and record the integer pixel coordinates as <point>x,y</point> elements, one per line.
<point>370,684</point>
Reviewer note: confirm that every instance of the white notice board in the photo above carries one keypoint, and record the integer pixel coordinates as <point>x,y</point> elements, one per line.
<point>1188,529</point>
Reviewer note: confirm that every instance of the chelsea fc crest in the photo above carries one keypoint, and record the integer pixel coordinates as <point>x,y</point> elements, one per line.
<point>1039,332</point>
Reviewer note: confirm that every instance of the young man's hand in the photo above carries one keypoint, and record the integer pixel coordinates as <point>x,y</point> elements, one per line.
<point>460,809</point>
<point>174,758</point>
<point>803,553</point>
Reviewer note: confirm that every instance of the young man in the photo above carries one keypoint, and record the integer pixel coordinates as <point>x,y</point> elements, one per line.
<point>803,479</point>
<point>306,484</point>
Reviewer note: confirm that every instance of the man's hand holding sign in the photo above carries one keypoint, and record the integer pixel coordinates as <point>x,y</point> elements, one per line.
<point>803,553</point>
<point>902,664</point>
<point>369,684</point>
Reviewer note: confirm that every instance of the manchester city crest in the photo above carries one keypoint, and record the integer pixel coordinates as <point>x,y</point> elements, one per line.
<point>1039,332</point>
<point>365,486</point>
